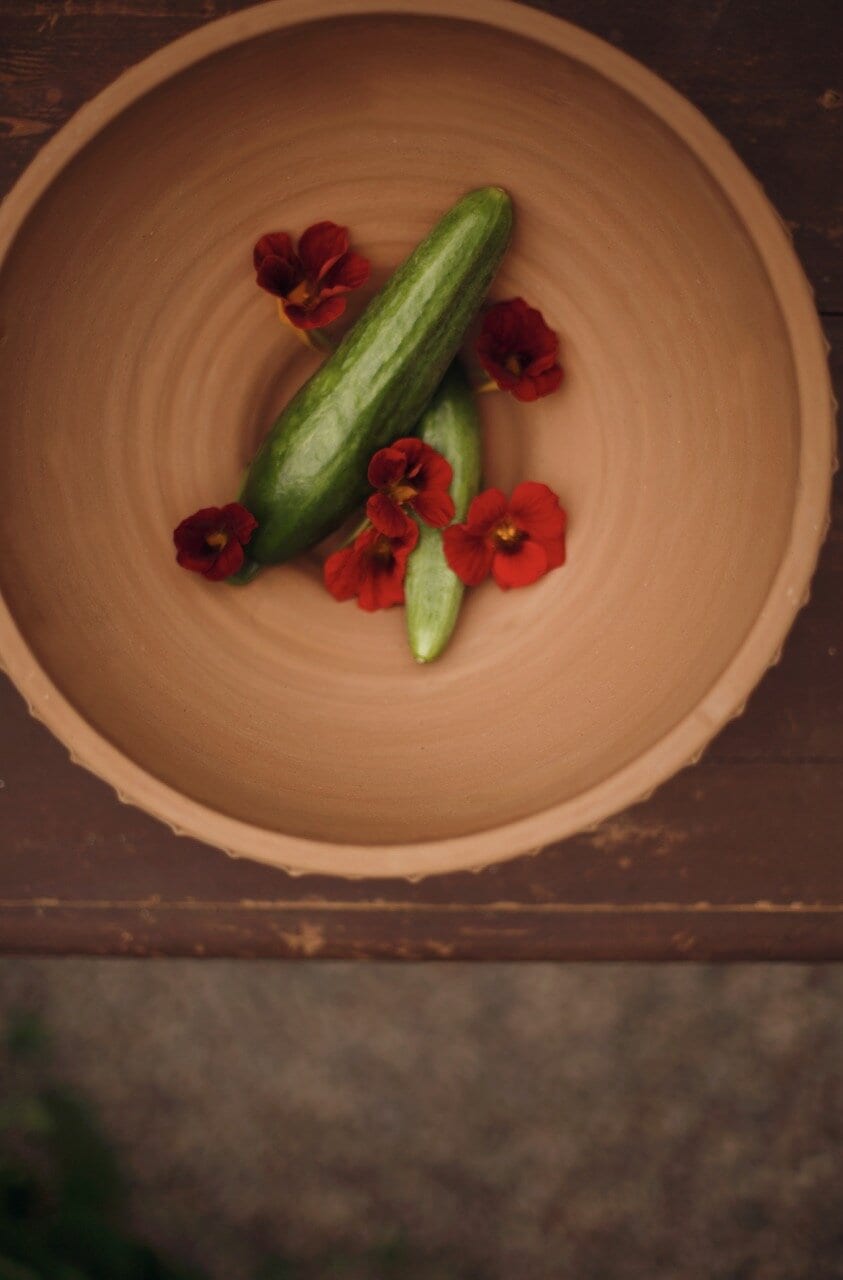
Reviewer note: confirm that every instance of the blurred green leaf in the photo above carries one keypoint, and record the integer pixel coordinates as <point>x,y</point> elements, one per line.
<point>88,1175</point>
<point>393,1258</point>
<point>62,1195</point>
<point>280,1269</point>
<point>16,1271</point>
<point>26,1035</point>
<point>88,1242</point>
<point>24,1244</point>
<point>27,1114</point>
<point>21,1192</point>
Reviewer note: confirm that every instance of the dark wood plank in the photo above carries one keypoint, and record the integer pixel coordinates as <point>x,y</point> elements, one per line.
<point>724,861</point>
<point>735,833</point>
<point>736,858</point>
<point>606,932</point>
<point>767,73</point>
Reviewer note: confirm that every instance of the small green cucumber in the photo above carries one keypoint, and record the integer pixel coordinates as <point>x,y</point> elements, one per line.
<point>432,591</point>
<point>310,472</point>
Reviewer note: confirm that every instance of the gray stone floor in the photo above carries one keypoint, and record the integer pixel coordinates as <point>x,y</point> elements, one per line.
<point>520,1123</point>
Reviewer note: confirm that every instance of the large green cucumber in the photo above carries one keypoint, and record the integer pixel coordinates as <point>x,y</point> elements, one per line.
<point>432,590</point>
<point>310,472</point>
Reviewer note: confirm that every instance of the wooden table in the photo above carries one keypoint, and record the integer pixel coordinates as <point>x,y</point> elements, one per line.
<point>740,857</point>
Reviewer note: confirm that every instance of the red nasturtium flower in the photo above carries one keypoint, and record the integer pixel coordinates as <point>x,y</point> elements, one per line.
<point>409,472</point>
<point>309,279</point>
<point>516,539</point>
<point>211,541</point>
<point>372,569</point>
<point>519,350</point>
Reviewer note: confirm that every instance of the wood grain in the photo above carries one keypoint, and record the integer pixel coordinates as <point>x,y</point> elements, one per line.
<point>737,858</point>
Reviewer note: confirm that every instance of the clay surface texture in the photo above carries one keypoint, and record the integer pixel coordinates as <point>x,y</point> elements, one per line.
<point>690,443</point>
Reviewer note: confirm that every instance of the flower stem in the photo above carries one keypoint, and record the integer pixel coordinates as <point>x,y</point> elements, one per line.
<point>359,528</point>
<point>319,341</point>
<point>313,338</point>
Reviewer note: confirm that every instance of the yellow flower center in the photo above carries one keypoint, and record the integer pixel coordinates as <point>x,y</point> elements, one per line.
<point>507,535</point>
<point>506,531</point>
<point>513,364</point>
<point>402,492</point>
<point>382,550</point>
<point>217,540</point>
<point>304,295</point>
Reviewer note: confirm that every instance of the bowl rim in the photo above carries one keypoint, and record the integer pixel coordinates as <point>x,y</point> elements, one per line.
<point>789,591</point>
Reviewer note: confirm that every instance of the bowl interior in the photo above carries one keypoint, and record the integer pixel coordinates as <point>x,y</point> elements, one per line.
<point>141,364</point>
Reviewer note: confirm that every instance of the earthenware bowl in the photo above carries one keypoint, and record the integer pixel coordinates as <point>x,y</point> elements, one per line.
<point>691,442</point>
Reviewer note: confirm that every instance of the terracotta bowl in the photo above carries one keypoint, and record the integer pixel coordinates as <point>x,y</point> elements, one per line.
<point>691,444</point>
